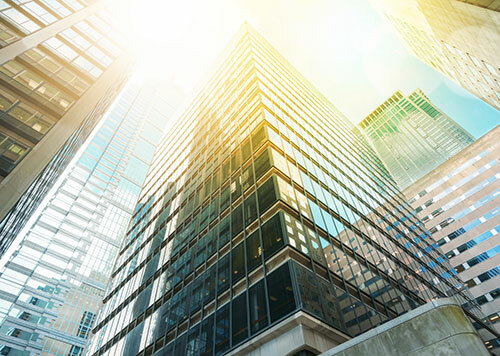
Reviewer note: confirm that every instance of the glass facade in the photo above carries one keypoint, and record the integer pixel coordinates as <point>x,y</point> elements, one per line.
<point>444,35</point>
<point>412,136</point>
<point>260,205</point>
<point>54,281</point>
<point>39,85</point>
<point>61,62</point>
<point>459,202</point>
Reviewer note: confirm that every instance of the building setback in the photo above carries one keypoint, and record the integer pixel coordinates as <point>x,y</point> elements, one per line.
<point>251,233</point>
<point>458,38</point>
<point>412,136</point>
<point>54,281</point>
<point>459,202</point>
<point>61,65</point>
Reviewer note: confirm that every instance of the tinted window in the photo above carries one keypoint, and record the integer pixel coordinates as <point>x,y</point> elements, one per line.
<point>259,138</point>
<point>207,336</point>
<point>253,251</point>
<point>246,150</point>
<point>237,220</point>
<point>250,209</point>
<point>239,319</point>
<point>238,262</point>
<point>280,293</point>
<point>223,274</point>
<point>267,195</point>
<point>224,199</point>
<point>272,236</point>
<point>258,314</point>
<point>262,164</point>
<point>224,232</point>
<point>247,179</point>
<point>222,330</point>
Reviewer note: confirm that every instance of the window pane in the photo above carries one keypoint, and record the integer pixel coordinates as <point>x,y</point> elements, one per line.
<point>272,236</point>
<point>262,164</point>
<point>254,251</point>
<point>223,274</point>
<point>222,330</point>
<point>267,195</point>
<point>206,336</point>
<point>247,178</point>
<point>280,293</point>
<point>258,314</point>
<point>239,319</point>
<point>250,209</point>
<point>237,220</point>
<point>238,262</point>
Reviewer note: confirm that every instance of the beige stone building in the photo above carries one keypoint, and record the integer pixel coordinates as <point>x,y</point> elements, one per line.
<point>459,202</point>
<point>459,38</point>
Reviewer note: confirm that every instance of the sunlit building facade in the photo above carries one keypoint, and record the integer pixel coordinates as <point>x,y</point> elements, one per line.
<point>459,202</point>
<point>258,228</point>
<point>54,281</point>
<point>458,38</point>
<point>412,136</point>
<point>61,65</point>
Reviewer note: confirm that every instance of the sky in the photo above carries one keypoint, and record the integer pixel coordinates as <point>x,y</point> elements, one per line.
<point>344,48</point>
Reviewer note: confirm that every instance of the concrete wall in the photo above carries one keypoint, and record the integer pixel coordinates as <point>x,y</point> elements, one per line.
<point>436,328</point>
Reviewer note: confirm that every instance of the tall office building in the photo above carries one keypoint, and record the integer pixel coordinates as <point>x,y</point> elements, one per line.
<point>458,38</point>
<point>412,136</point>
<point>54,281</point>
<point>459,203</point>
<point>61,64</point>
<point>256,230</point>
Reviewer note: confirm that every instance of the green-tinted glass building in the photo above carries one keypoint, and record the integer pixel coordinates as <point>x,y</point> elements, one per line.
<point>260,227</point>
<point>412,136</point>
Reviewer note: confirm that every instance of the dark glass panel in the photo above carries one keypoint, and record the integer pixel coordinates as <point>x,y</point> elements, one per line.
<point>262,164</point>
<point>237,220</point>
<point>238,262</point>
<point>235,189</point>
<point>254,251</point>
<point>259,138</point>
<point>280,293</point>
<point>239,319</point>
<point>224,198</point>
<point>215,181</point>
<point>250,209</point>
<point>224,232</point>
<point>180,345</point>
<point>267,195</point>
<point>222,330</point>
<point>258,309</point>
<point>204,218</point>
<point>246,150</point>
<point>207,336</point>
<point>209,286</point>
<point>247,179</point>
<point>193,341</point>
<point>223,274</point>
<point>225,170</point>
<point>196,295</point>
<point>235,160</point>
<point>272,236</point>
<point>214,208</point>
<point>308,290</point>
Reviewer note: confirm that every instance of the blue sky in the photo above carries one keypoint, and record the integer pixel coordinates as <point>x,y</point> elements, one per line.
<point>345,48</point>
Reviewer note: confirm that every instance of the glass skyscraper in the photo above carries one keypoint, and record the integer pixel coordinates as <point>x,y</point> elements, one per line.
<point>412,136</point>
<point>260,227</point>
<point>61,64</point>
<point>459,202</point>
<point>54,281</point>
<point>458,38</point>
